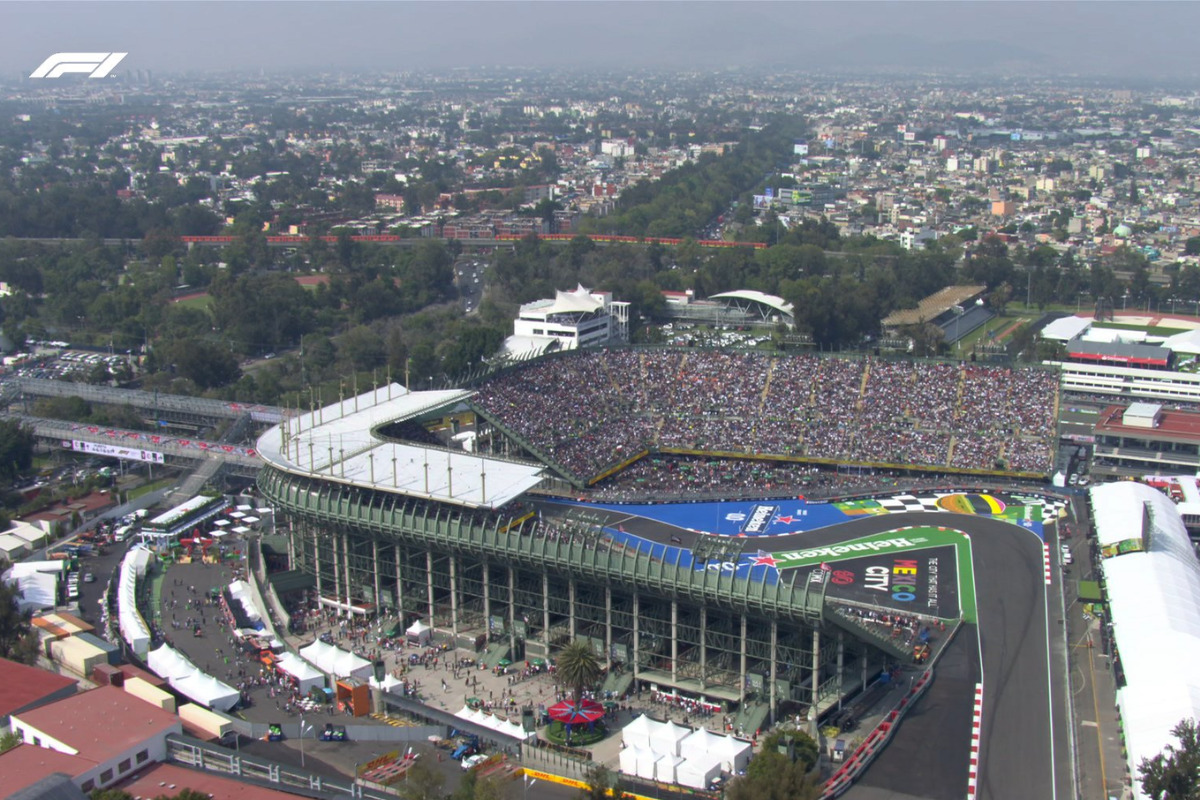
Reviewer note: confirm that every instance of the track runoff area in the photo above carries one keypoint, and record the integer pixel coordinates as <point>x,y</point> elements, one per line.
<point>978,557</point>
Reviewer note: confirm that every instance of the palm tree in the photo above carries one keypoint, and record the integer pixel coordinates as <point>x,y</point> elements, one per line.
<point>577,667</point>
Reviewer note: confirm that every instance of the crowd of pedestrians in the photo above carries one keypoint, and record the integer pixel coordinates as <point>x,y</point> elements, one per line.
<point>593,410</point>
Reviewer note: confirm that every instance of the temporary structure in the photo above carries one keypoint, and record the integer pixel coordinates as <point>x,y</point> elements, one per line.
<point>419,633</point>
<point>307,676</point>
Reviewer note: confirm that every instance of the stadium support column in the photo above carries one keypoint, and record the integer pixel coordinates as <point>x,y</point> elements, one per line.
<point>816,676</point>
<point>841,667</point>
<point>399,585</point>
<point>742,668</point>
<point>337,572</point>
<point>774,689</point>
<point>703,646</point>
<point>674,639</point>
<point>608,647</point>
<point>346,567</point>
<point>512,610</point>
<point>454,598</point>
<point>571,605</point>
<point>545,611</point>
<point>487,604</point>
<point>316,560</point>
<point>637,641</point>
<point>375,569</point>
<point>429,586</point>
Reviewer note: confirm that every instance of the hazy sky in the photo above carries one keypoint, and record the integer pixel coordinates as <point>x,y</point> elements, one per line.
<point>1152,40</point>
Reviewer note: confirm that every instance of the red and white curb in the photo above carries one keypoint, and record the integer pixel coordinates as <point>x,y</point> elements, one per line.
<point>1046,561</point>
<point>976,727</point>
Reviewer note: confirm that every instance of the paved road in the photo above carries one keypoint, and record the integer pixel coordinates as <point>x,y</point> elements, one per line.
<point>1020,726</point>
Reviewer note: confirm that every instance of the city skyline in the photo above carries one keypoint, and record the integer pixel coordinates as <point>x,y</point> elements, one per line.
<point>1137,42</point>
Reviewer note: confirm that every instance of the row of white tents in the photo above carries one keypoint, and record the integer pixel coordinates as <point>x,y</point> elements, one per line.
<point>189,680</point>
<point>480,717</point>
<point>336,662</point>
<point>133,626</point>
<point>664,751</point>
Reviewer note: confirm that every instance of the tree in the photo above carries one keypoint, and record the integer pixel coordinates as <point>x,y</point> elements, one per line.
<point>18,642</point>
<point>577,667</point>
<point>422,782</point>
<point>600,781</point>
<point>1174,774</point>
<point>9,740</point>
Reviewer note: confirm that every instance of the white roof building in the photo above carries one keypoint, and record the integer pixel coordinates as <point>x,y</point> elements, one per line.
<point>341,443</point>
<point>1152,579</point>
<point>580,318</point>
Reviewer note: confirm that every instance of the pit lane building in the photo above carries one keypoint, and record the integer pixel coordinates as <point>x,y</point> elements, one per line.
<point>385,523</point>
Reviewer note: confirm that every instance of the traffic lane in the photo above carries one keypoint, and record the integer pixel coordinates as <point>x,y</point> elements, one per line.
<point>1017,718</point>
<point>929,755</point>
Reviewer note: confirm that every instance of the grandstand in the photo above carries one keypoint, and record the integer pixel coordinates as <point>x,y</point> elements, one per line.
<point>864,412</point>
<point>483,548</point>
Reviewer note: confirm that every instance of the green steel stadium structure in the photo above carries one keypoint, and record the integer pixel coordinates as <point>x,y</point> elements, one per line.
<point>386,519</point>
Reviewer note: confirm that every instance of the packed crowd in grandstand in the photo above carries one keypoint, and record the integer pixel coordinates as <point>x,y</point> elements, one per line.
<point>589,411</point>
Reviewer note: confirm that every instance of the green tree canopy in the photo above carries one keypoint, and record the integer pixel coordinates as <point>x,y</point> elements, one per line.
<point>577,667</point>
<point>1174,774</point>
<point>18,642</point>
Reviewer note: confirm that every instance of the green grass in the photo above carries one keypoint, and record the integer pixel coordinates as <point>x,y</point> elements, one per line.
<point>203,302</point>
<point>580,735</point>
<point>1154,330</point>
<point>150,487</point>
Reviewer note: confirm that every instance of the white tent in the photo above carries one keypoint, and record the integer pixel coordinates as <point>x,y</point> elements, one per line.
<point>389,682</point>
<point>419,632</point>
<point>38,590</point>
<point>638,732</point>
<point>664,768</point>
<point>698,773</point>
<point>734,753</point>
<point>207,691</point>
<point>335,661</point>
<point>665,741</point>
<point>307,676</point>
<point>699,743</point>
<point>491,722</point>
<point>167,662</point>
<point>629,758</point>
<point>133,627</point>
<point>1153,595</point>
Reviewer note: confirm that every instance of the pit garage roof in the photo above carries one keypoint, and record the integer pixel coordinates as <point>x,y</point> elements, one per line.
<point>340,443</point>
<point>1154,603</point>
<point>1118,353</point>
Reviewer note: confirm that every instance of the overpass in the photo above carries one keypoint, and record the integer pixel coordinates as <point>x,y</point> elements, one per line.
<point>156,405</point>
<point>141,446</point>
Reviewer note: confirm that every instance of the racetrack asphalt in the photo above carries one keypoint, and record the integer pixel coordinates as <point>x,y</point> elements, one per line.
<point>1023,749</point>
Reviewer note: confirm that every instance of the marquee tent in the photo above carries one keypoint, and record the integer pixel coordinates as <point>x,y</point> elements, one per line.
<point>419,632</point>
<point>133,627</point>
<point>665,767</point>
<point>307,676</point>
<point>167,662</point>
<point>638,732</point>
<point>335,661</point>
<point>665,740</point>
<point>698,773</point>
<point>207,691</point>
<point>494,723</point>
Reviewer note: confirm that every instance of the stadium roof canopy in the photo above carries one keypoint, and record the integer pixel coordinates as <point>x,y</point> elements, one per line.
<point>933,306</point>
<point>341,443</point>
<point>1154,605</point>
<point>579,301</point>
<point>742,297</point>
